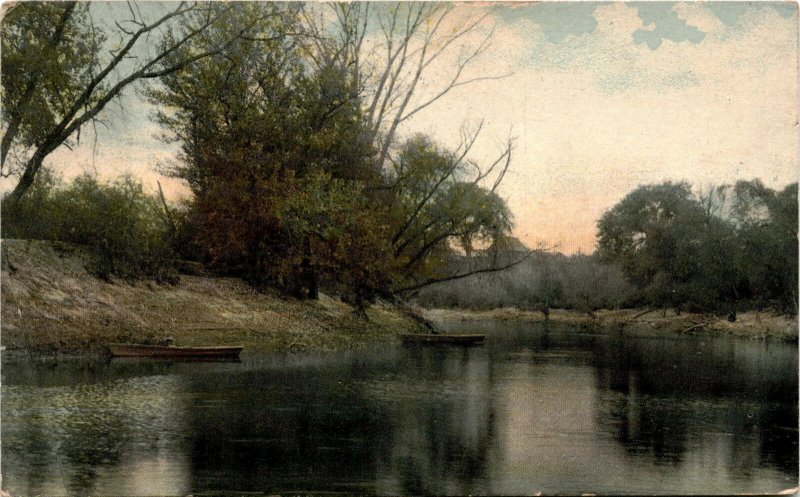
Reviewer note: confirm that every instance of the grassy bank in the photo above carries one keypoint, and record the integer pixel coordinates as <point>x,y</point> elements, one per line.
<point>761,325</point>
<point>52,302</point>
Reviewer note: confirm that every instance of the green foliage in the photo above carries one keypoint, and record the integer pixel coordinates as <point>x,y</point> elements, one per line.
<point>259,108</point>
<point>293,233</point>
<point>435,207</point>
<point>342,237</point>
<point>276,157</point>
<point>715,251</point>
<point>287,188</point>
<point>125,227</point>
<point>766,238</point>
<point>647,227</point>
<point>49,54</point>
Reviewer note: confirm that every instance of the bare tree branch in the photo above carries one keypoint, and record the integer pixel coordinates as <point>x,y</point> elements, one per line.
<point>413,39</point>
<point>493,269</point>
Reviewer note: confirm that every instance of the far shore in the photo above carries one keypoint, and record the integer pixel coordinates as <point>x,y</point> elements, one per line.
<point>752,324</point>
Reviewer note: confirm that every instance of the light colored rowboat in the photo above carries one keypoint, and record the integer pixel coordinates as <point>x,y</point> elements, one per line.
<point>168,351</point>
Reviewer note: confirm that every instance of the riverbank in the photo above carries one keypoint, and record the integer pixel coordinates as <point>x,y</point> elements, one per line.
<point>52,303</point>
<point>756,325</point>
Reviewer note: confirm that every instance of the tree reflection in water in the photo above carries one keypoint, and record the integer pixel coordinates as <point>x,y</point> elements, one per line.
<point>653,390</point>
<point>557,410</point>
<point>96,437</point>
<point>444,408</point>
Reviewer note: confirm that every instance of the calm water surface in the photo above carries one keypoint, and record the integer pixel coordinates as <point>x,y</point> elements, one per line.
<point>534,410</point>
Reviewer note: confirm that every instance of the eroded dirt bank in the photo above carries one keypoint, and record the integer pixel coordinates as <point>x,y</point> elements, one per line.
<point>51,302</point>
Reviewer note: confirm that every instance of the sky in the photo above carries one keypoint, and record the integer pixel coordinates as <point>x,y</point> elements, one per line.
<point>600,97</point>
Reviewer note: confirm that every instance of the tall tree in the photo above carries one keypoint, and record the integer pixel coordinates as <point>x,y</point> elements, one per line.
<point>259,122</point>
<point>724,247</point>
<point>390,50</point>
<point>268,141</point>
<point>655,234</point>
<point>440,202</point>
<point>767,255</point>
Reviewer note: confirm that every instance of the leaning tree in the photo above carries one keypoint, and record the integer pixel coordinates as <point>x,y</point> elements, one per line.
<point>62,66</point>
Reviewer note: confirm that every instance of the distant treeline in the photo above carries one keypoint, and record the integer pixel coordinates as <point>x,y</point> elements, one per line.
<point>720,249</point>
<point>542,281</point>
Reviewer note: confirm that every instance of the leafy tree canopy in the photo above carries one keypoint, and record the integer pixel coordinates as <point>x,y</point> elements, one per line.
<point>729,244</point>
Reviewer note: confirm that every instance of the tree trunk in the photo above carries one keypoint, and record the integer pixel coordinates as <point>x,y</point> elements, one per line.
<point>360,306</point>
<point>26,180</point>
<point>312,284</point>
<point>16,118</point>
<point>308,283</point>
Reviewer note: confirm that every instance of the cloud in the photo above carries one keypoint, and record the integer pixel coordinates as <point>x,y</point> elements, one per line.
<point>731,12</point>
<point>557,20</point>
<point>618,65</point>
<point>666,25</point>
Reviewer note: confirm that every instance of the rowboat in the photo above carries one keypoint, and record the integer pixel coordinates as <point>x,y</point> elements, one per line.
<point>454,339</point>
<point>169,351</point>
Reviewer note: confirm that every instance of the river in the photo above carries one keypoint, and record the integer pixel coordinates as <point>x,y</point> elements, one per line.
<point>533,410</point>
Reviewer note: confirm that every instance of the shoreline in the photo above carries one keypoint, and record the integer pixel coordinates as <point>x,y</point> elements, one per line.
<point>53,305</point>
<point>640,322</point>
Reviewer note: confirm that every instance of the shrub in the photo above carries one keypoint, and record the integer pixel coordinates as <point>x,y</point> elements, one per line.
<point>127,230</point>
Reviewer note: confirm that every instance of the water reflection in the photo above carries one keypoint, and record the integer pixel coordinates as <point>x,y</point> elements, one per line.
<point>96,439</point>
<point>535,410</point>
<point>443,402</point>
<point>667,398</point>
<point>299,430</point>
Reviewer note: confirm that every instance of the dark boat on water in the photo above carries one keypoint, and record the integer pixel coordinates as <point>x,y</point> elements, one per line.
<point>447,338</point>
<point>172,352</point>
